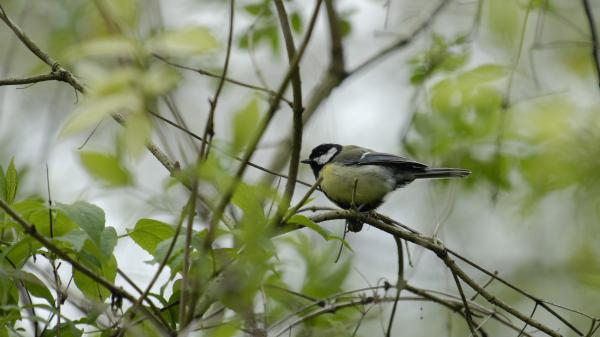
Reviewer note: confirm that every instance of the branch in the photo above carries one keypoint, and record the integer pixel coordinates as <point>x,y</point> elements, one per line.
<point>468,317</point>
<point>116,291</point>
<point>53,76</point>
<point>228,193</point>
<point>209,129</point>
<point>399,44</point>
<point>227,79</point>
<point>399,283</point>
<point>297,110</point>
<point>443,254</point>
<point>336,74</point>
<point>251,164</point>
<point>589,15</point>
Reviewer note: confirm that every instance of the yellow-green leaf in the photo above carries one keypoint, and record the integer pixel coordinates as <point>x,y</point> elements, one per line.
<point>148,233</point>
<point>106,167</point>
<point>244,124</point>
<point>182,42</point>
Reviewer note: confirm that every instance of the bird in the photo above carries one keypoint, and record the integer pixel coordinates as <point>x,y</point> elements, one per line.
<point>357,178</point>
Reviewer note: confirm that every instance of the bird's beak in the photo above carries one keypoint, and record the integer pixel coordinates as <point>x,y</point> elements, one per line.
<point>306,161</point>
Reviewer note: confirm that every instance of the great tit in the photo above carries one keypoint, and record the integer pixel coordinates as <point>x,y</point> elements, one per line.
<point>357,178</point>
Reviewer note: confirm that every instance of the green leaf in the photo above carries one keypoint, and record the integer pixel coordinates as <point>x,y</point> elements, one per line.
<point>2,184</point>
<point>11,182</point>
<point>89,217</point>
<point>302,220</point>
<point>113,46</point>
<point>107,270</point>
<point>35,286</point>
<point>94,110</point>
<point>484,73</point>
<point>148,233</point>
<point>296,21</point>
<point>183,42</point>
<point>20,252</point>
<point>106,167</point>
<point>244,124</point>
<point>138,128</point>
<point>108,242</point>
<point>65,330</point>
<point>159,79</point>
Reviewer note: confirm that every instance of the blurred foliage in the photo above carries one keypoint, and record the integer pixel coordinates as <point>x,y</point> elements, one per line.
<point>471,112</point>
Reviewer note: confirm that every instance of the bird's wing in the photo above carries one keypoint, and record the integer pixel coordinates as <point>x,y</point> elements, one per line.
<point>385,159</point>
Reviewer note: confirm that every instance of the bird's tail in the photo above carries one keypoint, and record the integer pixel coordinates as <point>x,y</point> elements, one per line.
<point>442,173</point>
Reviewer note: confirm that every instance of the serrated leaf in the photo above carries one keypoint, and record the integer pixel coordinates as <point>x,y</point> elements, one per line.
<point>106,167</point>
<point>244,124</point>
<point>183,42</point>
<point>88,217</point>
<point>35,286</point>
<point>11,182</point>
<point>138,128</point>
<point>148,233</point>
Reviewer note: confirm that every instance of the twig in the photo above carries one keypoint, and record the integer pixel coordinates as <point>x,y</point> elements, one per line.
<point>53,76</point>
<point>401,42</point>
<point>227,79</point>
<point>468,317</point>
<point>228,193</point>
<point>443,252</point>
<point>209,129</point>
<point>184,314</point>
<point>161,266</point>
<point>251,164</point>
<point>589,15</point>
<point>295,209</point>
<point>399,284</point>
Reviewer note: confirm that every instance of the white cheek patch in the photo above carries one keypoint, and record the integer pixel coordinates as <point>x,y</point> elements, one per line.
<point>326,157</point>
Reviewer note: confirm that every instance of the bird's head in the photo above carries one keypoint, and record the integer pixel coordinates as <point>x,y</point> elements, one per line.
<point>321,155</point>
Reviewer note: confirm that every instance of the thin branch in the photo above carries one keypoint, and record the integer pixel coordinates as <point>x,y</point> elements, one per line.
<point>403,42</point>
<point>468,317</point>
<point>53,76</point>
<point>209,129</point>
<point>589,15</point>
<point>336,75</point>
<point>399,283</point>
<point>295,209</point>
<point>184,314</point>
<point>227,79</point>
<point>442,253</point>
<point>116,291</point>
<point>228,193</point>
<point>63,74</point>
<point>297,110</point>
<point>251,164</point>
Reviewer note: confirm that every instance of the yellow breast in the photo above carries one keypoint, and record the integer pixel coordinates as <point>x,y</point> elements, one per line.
<point>372,184</point>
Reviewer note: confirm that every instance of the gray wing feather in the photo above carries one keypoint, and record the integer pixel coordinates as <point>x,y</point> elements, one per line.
<point>378,158</point>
